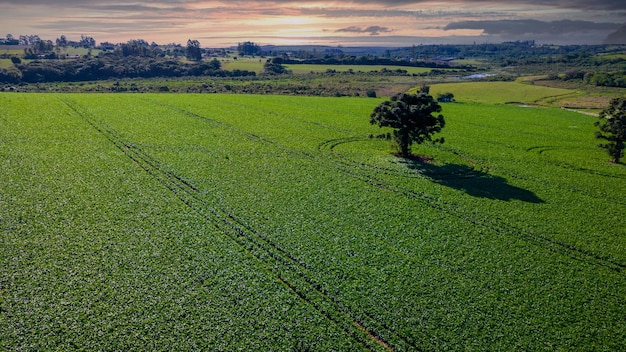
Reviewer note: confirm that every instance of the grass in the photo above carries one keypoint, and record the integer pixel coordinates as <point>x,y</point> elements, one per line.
<point>256,65</point>
<point>501,92</point>
<point>228,222</point>
<point>71,51</point>
<point>17,52</point>
<point>244,64</point>
<point>6,63</point>
<point>8,50</point>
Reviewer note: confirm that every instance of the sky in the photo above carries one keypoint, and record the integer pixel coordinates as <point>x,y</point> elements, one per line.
<point>395,23</point>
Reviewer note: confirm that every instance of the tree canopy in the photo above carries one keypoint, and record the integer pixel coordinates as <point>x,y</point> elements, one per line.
<point>193,52</point>
<point>412,117</point>
<point>274,66</point>
<point>613,128</point>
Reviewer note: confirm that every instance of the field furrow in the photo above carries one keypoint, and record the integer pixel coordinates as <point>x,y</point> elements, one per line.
<point>287,269</point>
<point>280,221</point>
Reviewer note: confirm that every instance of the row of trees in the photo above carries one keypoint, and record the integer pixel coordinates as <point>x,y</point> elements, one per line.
<point>111,66</point>
<point>39,48</point>
<point>341,59</point>
<point>28,40</point>
<point>593,77</point>
<point>249,49</point>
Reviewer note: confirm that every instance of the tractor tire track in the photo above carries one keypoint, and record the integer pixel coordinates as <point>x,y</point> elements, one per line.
<point>366,320</point>
<point>362,172</point>
<point>290,271</point>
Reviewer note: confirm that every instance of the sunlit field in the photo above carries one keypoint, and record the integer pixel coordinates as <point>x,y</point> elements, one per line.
<point>259,222</point>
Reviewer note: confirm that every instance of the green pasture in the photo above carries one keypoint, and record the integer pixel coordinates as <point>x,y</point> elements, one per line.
<point>17,52</point>
<point>501,92</point>
<point>250,222</point>
<point>72,51</point>
<point>6,63</point>
<point>244,64</point>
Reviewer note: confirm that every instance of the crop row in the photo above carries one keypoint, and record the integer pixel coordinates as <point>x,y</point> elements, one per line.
<point>97,254</point>
<point>441,256</point>
<point>274,124</point>
<point>279,120</point>
<point>288,269</point>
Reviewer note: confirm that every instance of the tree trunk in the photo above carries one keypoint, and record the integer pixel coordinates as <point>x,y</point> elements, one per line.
<point>619,147</point>
<point>405,144</point>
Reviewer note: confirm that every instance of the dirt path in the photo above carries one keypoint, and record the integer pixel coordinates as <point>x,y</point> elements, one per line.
<point>580,112</point>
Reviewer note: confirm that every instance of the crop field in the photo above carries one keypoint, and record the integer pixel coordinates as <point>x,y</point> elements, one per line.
<point>249,222</point>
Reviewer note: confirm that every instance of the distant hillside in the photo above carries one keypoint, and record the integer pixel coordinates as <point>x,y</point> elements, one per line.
<point>617,37</point>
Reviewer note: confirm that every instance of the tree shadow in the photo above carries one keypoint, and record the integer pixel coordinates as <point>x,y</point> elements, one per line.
<point>471,181</point>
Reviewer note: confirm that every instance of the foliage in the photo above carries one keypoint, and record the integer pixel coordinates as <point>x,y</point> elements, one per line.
<point>136,47</point>
<point>248,48</point>
<point>10,75</point>
<point>445,97</point>
<point>274,66</point>
<point>411,116</point>
<point>111,66</point>
<point>366,60</point>
<point>193,52</point>
<point>613,128</point>
<point>606,79</point>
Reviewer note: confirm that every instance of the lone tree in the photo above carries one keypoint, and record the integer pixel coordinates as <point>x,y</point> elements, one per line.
<point>412,117</point>
<point>613,128</point>
<point>193,52</point>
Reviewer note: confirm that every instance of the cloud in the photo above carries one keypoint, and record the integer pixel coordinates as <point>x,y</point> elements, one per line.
<point>363,20</point>
<point>372,30</point>
<point>570,4</point>
<point>414,13</point>
<point>104,26</point>
<point>520,27</point>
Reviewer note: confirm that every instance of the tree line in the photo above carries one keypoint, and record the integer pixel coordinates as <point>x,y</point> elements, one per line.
<point>133,59</point>
<point>594,78</point>
<point>341,59</point>
<point>112,66</point>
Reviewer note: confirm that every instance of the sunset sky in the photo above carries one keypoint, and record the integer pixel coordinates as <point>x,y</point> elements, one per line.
<point>348,23</point>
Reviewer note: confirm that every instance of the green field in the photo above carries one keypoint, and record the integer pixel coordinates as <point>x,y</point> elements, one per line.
<point>500,92</point>
<point>5,63</point>
<point>244,64</point>
<point>256,65</point>
<point>248,222</point>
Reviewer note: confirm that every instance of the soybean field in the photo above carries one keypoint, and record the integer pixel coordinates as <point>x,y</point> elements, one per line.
<point>249,222</point>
